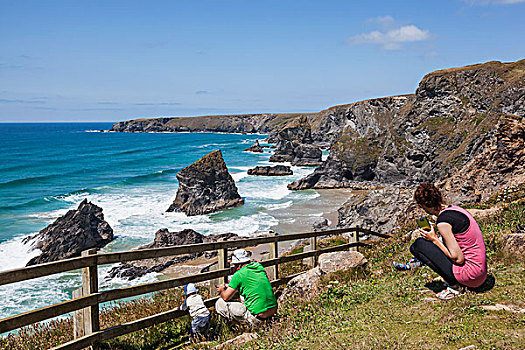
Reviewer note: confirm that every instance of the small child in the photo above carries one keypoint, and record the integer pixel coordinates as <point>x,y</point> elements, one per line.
<point>198,311</point>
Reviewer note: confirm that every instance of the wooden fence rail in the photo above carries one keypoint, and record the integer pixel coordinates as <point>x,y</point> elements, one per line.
<point>88,298</point>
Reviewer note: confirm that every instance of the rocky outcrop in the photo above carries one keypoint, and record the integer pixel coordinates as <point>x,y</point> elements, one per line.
<point>237,342</point>
<point>78,230</point>
<point>245,123</point>
<point>500,165</point>
<point>452,118</point>
<point>294,144</point>
<point>341,261</point>
<point>277,170</point>
<point>163,239</point>
<point>206,186</point>
<point>255,148</point>
<point>514,243</point>
<point>302,286</point>
<point>306,285</point>
<point>381,209</point>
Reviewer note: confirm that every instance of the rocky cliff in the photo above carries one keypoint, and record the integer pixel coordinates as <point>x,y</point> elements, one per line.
<point>463,128</point>
<point>78,230</point>
<point>206,186</point>
<point>245,123</point>
<point>295,144</point>
<point>453,118</point>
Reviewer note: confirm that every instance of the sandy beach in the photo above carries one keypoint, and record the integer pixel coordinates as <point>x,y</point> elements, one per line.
<point>295,219</point>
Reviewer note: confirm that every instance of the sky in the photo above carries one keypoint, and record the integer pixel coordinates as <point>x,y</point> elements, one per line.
<point>71,61</point>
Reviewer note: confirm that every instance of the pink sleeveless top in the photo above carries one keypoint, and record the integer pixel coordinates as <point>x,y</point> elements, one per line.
<point>473,272</point>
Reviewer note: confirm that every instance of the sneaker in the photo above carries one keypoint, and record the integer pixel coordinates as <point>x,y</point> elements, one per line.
<point>448,293</point>
<point>411,264</point>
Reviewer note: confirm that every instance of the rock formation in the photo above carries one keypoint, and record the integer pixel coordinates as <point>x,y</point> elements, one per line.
<point>245,123</point>
<point>78,230</point>
<point>205,187</point>
<point>165,238</point>
<point>306,285</point>
<point>255,148</point>
<point>463,129</point>
<point>453,117</point>
<point>514,243</point>
<point>294,144</point>
<point>277,170</point>
<point>340,261</point>
<point>378,209</point>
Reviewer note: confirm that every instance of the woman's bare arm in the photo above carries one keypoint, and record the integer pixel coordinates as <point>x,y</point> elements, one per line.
<point>451,249</point>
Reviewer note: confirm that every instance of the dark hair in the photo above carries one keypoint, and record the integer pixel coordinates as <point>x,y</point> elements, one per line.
<point>428,195</point>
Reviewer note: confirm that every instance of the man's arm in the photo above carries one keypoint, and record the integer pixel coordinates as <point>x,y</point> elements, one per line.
<point>225,292</point>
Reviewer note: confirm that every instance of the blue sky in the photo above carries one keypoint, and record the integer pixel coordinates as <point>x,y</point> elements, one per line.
<point>119,60</point>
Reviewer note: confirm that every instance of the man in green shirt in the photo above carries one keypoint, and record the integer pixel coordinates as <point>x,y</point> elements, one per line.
<point>250,280</point>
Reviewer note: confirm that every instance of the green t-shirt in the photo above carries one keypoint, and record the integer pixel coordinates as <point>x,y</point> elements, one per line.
<point>252,283</point>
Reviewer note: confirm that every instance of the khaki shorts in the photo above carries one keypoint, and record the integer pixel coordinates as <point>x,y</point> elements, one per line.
<point>235,311</point>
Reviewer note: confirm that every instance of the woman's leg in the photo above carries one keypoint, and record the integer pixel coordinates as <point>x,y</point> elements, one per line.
<point>431,255</point>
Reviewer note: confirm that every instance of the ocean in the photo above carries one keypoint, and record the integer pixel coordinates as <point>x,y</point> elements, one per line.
<point>47,169</point>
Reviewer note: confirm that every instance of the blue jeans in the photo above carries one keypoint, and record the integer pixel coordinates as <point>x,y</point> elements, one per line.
<point>200,325</point>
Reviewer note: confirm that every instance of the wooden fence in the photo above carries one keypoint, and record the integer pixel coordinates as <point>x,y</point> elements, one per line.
<point>87,299</point>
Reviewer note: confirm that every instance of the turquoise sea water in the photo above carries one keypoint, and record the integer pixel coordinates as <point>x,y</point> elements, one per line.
<point>47,169</point>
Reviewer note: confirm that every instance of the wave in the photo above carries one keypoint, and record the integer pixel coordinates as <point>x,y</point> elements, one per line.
<point>239,176</point>
<point>278,205</point>
<point>146,177</point>
<point>28,180</point>
<point>138,150</point>
<point>46,200</point>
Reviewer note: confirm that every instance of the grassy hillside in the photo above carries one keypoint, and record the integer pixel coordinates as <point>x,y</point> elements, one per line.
<point>375,307</point>
<point>381,308</point>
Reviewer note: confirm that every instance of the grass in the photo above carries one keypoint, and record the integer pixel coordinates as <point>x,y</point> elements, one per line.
<point>375,307</point>
<point>381,308</point>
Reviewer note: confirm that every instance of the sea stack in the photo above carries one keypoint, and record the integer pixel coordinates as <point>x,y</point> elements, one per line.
<point>80,229</point>
<point>294,144</point>
<point>255,148</point>
<point>205,187</point>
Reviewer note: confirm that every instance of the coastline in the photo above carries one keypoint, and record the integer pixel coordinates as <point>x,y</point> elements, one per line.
<point>299,217</point>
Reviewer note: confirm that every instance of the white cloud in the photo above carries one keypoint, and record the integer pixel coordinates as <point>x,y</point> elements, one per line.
<point>392,39</point>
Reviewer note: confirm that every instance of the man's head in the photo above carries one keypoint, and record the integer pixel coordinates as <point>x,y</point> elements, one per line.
<point>240,258</point>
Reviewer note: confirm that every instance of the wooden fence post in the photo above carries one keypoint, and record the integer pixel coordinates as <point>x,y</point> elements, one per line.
<point>313,248</point>
<point>86,321</point>
<point>274,254</point>
<point>222,263</point>
<point>356,238</point>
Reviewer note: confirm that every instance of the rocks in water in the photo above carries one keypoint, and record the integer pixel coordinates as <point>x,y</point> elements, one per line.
<point>78,230</point>
<point>277,170</point>
<point>321,224</point>
<point>307,155</point>
<point>205,187</point>
<point>294,144</point>
<point>341,261</point>
<point>165,238</point>
<point>255,148</point>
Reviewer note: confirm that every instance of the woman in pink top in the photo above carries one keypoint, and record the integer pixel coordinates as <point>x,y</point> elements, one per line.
<point>460,257</point>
